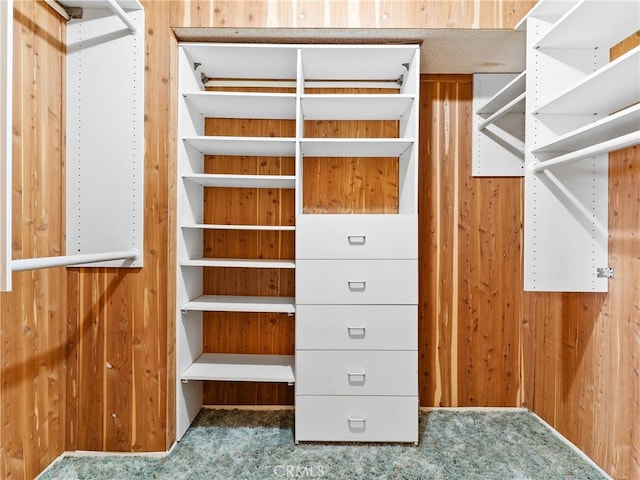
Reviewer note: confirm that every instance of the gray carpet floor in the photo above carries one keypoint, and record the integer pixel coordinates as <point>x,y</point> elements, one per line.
<point>454,445</point>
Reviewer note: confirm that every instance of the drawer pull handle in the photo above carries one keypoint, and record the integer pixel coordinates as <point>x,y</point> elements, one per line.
<point>356,239</point>
<point>357,422</point>
<point>356,331</point>
<point>357,285</point>
<point>356,377</point>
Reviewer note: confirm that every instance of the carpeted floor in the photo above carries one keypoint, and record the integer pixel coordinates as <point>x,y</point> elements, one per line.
<point>454,445</point>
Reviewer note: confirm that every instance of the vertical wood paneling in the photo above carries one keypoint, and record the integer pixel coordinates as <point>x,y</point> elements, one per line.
<point>33,316</point>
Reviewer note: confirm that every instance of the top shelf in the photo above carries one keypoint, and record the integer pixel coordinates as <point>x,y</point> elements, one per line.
<point>584,25</point>
<point>510,92</point>
<point>549,10</point>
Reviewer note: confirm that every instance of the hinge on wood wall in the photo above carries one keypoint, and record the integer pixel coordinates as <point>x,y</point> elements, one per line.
<point>604,272</point>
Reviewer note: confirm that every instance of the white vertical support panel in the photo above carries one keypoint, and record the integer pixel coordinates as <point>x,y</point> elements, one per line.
<point>498,149</point>
<point>409,128</point>
<point>299,132</point>
<point>6,157</point>
<point>105,133</point>
<point>566,207</point>
<point>190,244</point>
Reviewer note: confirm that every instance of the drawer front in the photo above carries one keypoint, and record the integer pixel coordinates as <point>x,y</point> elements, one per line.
<point>357,327</point>
<point>357,282</point>
<point>356,236</point>
<point>353,419</point>
<point>338,372</point>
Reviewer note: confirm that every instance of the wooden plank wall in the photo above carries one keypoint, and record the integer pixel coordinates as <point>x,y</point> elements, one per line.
<point>103,379</point>
<point>582,351</point>
<point>33,318</point>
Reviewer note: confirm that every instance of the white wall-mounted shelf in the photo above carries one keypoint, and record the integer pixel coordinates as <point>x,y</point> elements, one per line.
<point>585,25</point>
<point>512,91</point>
<point>588,96</point>
<point>549,11</point>
<point>355,107</point>
<point>237,263</point>
<point>241,368</point>
<point>234,303</point>
<point>355,147</point>
<point>263,146</point>
<point>218,226</point>
<point>243,105</point>
<point>242,181</point>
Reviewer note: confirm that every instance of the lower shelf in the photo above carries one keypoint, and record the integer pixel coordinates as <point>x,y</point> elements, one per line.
<point>241,368</point>
<point>231,303</point>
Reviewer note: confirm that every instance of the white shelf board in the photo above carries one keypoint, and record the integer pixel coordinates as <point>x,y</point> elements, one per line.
<point>249,146</point>
<point>242,181</point>
<point>241,368</point>
<point>618,78</point>
<point>354,147</point>
<point>593,24</point>
<point>512,90</point>
<point>244,105</point>
<point>355,107</point>
<point>232,303</point>
<point>224,226</point>
<point>240,61</point>
<point>549,10</point>
<point>237,263</point>
<point>374,62</point>
<point>618,124</point>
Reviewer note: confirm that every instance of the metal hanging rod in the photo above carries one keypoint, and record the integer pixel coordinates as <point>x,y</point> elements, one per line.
<point>624,141</point>
<point>69,260</point>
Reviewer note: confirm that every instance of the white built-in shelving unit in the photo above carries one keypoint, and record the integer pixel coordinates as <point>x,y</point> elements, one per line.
<point>580,106</point>
<point>335,250</point>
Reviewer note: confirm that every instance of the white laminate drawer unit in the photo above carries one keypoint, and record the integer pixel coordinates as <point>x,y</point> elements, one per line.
<point>356,372</point>
<point>357,282</point>
<point>357,327</point>
<point>356,236</point>
<point>364,419</point>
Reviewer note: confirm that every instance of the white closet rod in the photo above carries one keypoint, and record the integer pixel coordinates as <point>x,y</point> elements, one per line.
<point>624,141</point>
<point>117,9</point>
<point>67,260</point>
<point>502,112</point>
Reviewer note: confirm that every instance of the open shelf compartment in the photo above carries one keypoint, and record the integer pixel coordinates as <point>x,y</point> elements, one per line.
<point>241,368</point>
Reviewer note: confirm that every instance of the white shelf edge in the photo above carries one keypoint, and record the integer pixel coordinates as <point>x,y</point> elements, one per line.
<point>248,146</point>
<point>614,122</point>
<point>238,263</point>
<point>355,147</point>
<point>550,9</point>
<point>234,303</point>
<point>507,94</point>
<point>519,100</point>
<point>241,368</point>
<point>242,181</point>
<point>256,105</point>
<point>592,78</point>
<point>224,226</point>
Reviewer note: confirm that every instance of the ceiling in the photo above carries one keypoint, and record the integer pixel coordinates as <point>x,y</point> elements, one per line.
<point>443,50</point>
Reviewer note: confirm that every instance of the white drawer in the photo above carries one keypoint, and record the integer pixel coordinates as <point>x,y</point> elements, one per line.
<point>339,372</point>
<point>357,327</point>
<point>356,236</point>
<point>357,419</point>
<point>357,282</point>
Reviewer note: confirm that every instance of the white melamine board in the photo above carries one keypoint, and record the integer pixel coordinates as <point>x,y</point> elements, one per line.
<point>241,368</point>
<point>243,146</point>
<point>255,61</point>
<point>612,126</point>
<point>105,135</point>
<point>498,148</point>
<point>354,147</point>
<point>230,303</point>
<point>512,90</point>
<point>548,10</point>
<point>242,181</point>
<point>6,156</point>
<point>237,263</point>
<point>221,226</point>
<point>355,107</point>
<point>607,90</point>
<point>243,105</point>
<point>594,24</point>
<point>363,62</point>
